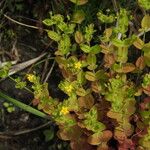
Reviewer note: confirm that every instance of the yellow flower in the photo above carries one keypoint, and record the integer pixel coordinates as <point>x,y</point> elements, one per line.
<point>78,65</point>
<point>31,77</point>
<point>69,88</point>
<point>64,111</point>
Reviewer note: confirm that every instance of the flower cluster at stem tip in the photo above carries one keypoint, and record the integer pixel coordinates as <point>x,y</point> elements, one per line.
<point>64,111</point>
<point>69,88</point>
<point>31,77</point>
<point>78,65</point>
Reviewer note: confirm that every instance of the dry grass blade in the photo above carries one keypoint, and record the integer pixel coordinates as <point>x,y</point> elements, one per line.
<point>16,68</point>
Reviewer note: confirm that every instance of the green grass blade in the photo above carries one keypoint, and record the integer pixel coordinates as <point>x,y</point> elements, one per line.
<point>23,106</point>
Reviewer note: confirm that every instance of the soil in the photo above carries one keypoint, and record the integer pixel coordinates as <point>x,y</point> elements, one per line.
<point>20,130</point>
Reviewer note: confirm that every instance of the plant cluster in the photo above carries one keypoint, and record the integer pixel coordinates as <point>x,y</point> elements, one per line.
<point>102,98</point>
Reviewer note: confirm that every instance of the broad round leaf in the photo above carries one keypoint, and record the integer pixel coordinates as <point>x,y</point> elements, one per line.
<point>138,43</point>
<point>140,63</point>
<point>86,101</point>
<point>90,76</point>
<point>145,22</point>
<point>78,37</point>
<point>79,2</point>
<point>78,16</point>
<point>53,35</point>
<point>98,138</point>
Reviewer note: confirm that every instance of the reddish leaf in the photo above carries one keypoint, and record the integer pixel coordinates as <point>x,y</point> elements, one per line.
<point>35,102</point>
<point>78,37</point>
<point>109,60</point>
<point>126,145</point>
<point>98,138</point>
<point>140,63</point>
<point>119,135</point>
<point>95,139</point>
<point>86,101</point>
<point>72,133</point>
<point>103,146</point>
<point>81,144</point>
<point>147,90</point>
<point>114,115</point>
<point>128,67</point>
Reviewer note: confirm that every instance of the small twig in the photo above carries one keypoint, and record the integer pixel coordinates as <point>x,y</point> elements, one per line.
<point>50,71</point>
<point>5,137</point>
<point>16,133</point>
<point>22,24</point>
<point>24,87</point>
<point>29,46</point>
<point>136,134</point>
<point>45,68</point>
<point>1,3</point>
<point>115,5</point>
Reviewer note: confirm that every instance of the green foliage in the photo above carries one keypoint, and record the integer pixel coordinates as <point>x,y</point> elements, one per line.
<point>146,80</point>
<point>106,18</point>
<point>89,31</point>
<point>20,84</point>
<point>5,70</point>
<point>123,18</point>
<point>100,79</point>
<point>9,107</point>
<point>68,87</point>
<point>79,2</point>
<point>78,16</point>
<point>145,4</point>
<point>146,84</point>
<point>91,121</point>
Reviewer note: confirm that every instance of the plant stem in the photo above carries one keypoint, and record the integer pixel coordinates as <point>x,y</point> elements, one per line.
<point>24,87</point>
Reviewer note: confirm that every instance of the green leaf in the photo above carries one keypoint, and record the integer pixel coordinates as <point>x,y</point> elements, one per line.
<point>85,48</point>
<point>81,77</point>
<point>48,22</point>
<point>49,134</point>
<point>100,75</point>
<point>89,31</point>
<point>122,54</point>
<point>145,114</point>
<point>92,67</point>
<point>53,35</point>
<point>95,49</point>
<point>138,43</point>
<point>81,92</point>
<point>90,76</point>
<point>79,2</point>
<point>145,4</point>
<point>10,109</point>
<point>78,16</point>
<point>61,60</point>
<point>106,18</point>
<point>145,22</point>
<point>146,50</point>
<point>124,43</point>
<point>78,37</point>
<point>5,104</point>
<point>100,138</point>
<point>125,68</point>
<point>4,71</point>
<point>91,59</point>
<point>64,44</point>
